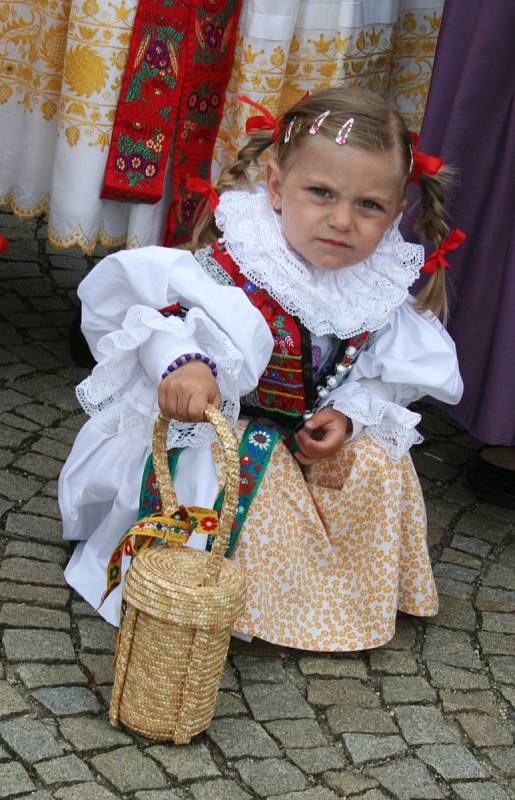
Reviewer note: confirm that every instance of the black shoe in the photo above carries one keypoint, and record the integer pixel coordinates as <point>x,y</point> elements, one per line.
<point>80,352</point>
<point>491,484</point>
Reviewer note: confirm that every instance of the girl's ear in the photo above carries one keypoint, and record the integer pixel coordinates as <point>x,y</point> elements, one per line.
<point>274,184</point>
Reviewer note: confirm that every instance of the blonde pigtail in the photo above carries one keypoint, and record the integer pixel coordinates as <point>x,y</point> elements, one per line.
<point>205,230</point>
<point>431,223</point>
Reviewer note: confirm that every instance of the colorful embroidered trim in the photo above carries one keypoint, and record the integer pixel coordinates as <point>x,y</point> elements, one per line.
<point>173,89</point>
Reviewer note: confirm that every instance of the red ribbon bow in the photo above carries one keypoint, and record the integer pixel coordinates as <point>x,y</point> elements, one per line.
<point>3,244</point>
<point>264,122</point>
<point>204,188</point>
<point>437,258</point>
<point>422,163</point>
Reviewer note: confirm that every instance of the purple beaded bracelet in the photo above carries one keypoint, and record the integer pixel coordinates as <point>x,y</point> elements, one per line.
<point>182,360</point>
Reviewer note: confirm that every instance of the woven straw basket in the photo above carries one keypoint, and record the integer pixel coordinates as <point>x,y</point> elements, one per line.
<point>180,606</point>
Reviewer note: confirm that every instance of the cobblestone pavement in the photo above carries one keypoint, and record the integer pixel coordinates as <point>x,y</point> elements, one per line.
<point>431,715</point>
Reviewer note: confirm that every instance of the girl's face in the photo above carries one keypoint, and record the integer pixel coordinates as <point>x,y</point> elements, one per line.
<point>336,201</point>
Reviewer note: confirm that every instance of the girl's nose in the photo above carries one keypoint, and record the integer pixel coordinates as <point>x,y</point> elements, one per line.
<point>342,216</point>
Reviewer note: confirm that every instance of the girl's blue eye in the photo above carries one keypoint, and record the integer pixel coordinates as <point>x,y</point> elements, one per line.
<point>370,205</point>
<point>319,191</point>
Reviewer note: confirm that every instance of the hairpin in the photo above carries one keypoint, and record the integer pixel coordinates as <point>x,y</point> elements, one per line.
<point>344,132</point>
<point>264,122</point>
<point>317,124</point>
<point>411,159</point>
<point>421,162</point>
<point>200,186</point>
<point>437,258</point>
<point>288,131</point>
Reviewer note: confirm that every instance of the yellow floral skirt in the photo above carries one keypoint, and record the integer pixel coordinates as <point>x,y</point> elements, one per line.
<point>330,558</point>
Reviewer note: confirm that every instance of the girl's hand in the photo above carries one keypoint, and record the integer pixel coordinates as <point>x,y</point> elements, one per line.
<point>185,394</point>
<point>322,436</point>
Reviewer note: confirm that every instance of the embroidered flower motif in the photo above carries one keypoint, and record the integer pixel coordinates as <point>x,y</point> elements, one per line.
<point>150,170</point>
<point>260,439</point>
<point>209,523</point>
<point>193,100</point>
<point>135,162</point>
<point>215,100</point>
<point>203,105</point>
<point>247,484</point>
<point>246,460</point>
<point>120,164</point>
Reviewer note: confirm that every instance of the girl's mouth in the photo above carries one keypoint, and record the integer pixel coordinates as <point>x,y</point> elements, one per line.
<point>334,243</point>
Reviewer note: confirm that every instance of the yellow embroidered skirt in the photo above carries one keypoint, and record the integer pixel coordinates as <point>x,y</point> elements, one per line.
<point>330,559</point>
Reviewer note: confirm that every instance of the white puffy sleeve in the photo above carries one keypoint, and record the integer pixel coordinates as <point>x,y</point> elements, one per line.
<point>413,356</point>
<point>133,342</point>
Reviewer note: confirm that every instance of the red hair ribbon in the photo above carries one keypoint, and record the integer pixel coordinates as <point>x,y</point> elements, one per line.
<point>264,122</point>
<point>437,258</point>
<point>422,163</point>
<point>3,244</point>
<point>200,186</point>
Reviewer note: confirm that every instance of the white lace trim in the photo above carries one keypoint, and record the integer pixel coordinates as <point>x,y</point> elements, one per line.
<point>121,397</point>
<point>390,425</point>
<point>343,302</point>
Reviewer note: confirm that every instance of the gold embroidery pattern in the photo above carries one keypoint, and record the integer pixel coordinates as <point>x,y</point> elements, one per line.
<point>392,60</point>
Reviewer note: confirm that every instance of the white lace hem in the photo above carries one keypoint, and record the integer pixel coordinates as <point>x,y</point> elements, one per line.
<point>389,425</point>
<point>120,397</point>
<point>342,302</point>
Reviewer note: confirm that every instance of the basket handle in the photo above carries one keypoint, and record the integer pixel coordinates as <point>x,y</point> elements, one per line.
<point>232,483</point>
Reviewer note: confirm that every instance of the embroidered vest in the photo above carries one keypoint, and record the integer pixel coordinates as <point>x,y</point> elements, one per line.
<point>288,388</point>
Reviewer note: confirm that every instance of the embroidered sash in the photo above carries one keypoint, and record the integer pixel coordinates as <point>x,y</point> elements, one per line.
<point>172,93</point>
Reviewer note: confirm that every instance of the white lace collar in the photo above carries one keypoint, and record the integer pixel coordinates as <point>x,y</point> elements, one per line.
<point>343,302</point>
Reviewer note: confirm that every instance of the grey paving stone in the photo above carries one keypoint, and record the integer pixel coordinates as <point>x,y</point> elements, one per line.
<point>29,526</point>
<point>451,588</point>
<point>91,733</point>
<point>229,679</point>
<point>228,705</point>
<point>99,666</point>
<point>503,758</point>
<point>11,702</point>
<point>242,737</point>
<point>318,793</point>
<point>491,599</point>
<point>478,526</point>
<point>480,791</point>
<point>35,645</point>
<point>10,399</point>
<point>161,794</point>
<point>65,700</point>
<point>16,614</point>
<point>451,761</point>
<point>34,676</point>
<point>469,544</point>
<point>48,596</point>
<point>68,769</point>
<point>84,791</point>
<point>425,724</point>
<point>30,571</point>
<point>315,760</point>
<point>373,794</point>
<point>343,691</point>
<point>16,486</point>
<point>345,719</point>
<point>52,448</point>
<point>347,783</point>
<point>259,669</point>
<point>402,689</point>
<point>297,732</point>
<point>42,466</point>
<point>30,739</point>
<point>218,790</point>
<point>503,668</point>
<point>269,701</point>
<point>14,779</point>
<point>460,559</point>
<point>41,795</point>
<point>499,623</point>
<point>82,609</point>
<point>18,420</point>
<point>500,575</point>
<point>450,647</point>
<point>129,770</point>
<point>434,470</point>
<point>485,731</point>
<point>97,635</point>
<point>508,693</point>
<point>366,747</point>
<point>407,780</point>
<point>405,635</point>
<point>455,572</point>
<point>12,439</point>
<point>42,552</point>
<point>271,776</point>
<point>43,415</point>
<point>332,667</point>
<point>446,677</point>
<point>185,763</point>
<point>468,701</point>
<point>394,663</point>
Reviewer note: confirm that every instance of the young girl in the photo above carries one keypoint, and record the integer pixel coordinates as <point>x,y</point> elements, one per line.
<point>296,310</point>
